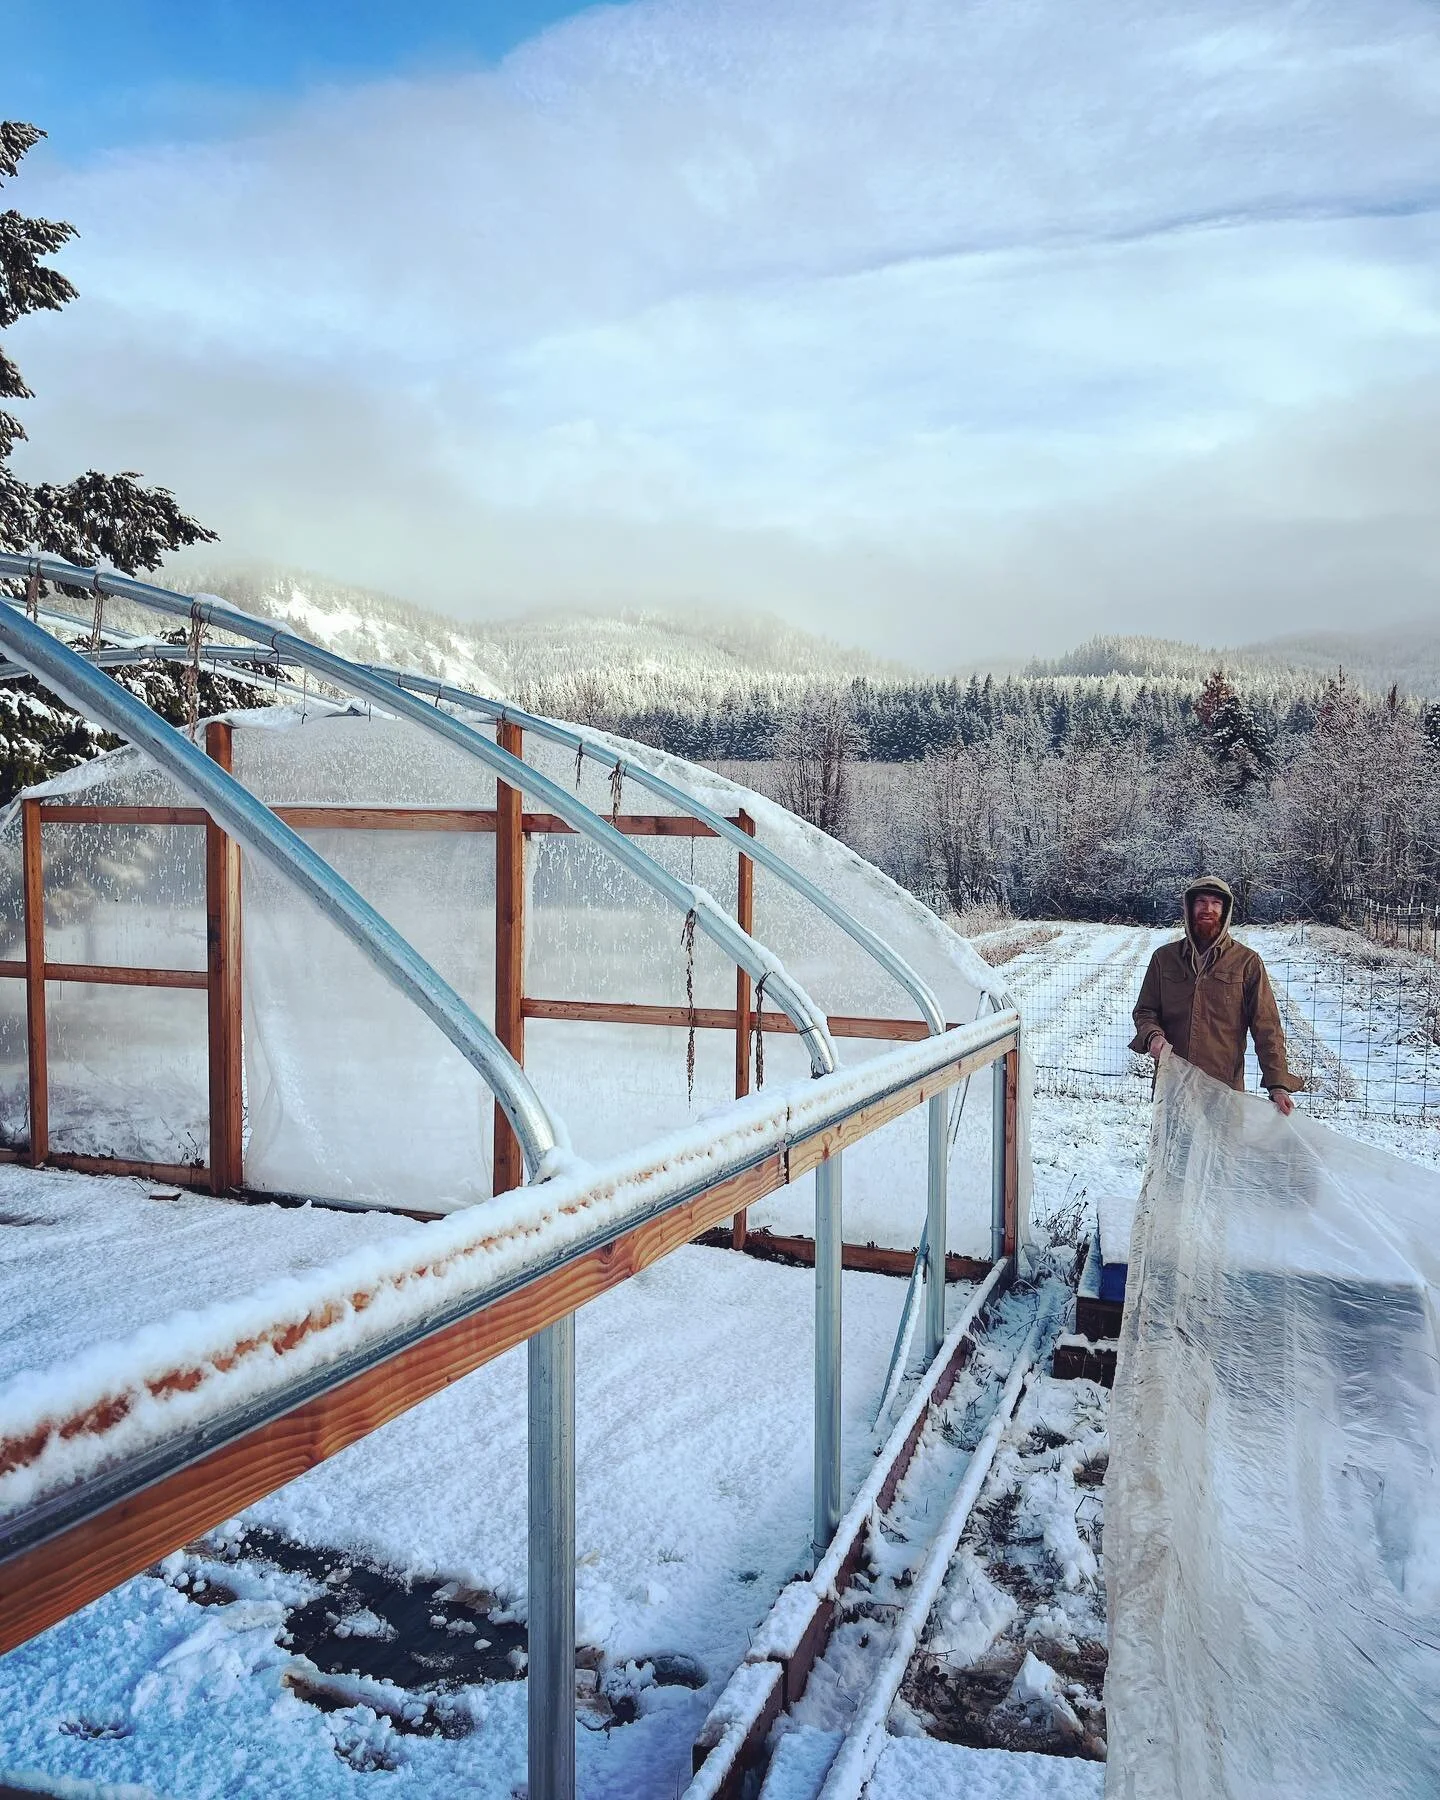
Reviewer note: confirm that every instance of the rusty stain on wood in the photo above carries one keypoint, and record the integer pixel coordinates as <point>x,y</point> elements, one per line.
<point>42,1585</point>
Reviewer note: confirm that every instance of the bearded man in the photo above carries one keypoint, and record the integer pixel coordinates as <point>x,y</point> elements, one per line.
<point>1204,992</point>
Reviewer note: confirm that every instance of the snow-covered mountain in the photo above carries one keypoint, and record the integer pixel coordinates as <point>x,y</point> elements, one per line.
<point>1407,656</point>
<point>569,664</point>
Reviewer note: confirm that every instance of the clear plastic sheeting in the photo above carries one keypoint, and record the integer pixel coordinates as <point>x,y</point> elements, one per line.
<point>352,1094</point>
<point>1272,1542</point>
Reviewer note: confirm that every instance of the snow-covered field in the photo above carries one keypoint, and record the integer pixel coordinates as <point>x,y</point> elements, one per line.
<point>694,1495</point>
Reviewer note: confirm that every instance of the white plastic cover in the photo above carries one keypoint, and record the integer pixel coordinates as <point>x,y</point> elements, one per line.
<point>1272,1537</point>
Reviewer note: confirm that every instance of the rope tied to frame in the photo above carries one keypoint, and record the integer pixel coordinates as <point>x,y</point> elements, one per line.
<point>579,765</point>
<point>97,623</point>
<point>33,589</point>
<point>760,1030</point>
<point>617,789</point>
<point>687,938</point>
<point>192,675</point>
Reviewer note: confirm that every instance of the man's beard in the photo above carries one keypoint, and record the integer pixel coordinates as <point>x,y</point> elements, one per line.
<point>1205,934</point>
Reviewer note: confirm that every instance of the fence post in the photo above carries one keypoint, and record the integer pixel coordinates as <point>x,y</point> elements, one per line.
<point>223,951</point>
<point>34,887</point>
<point>509,1167</point>
<point>745,918</point>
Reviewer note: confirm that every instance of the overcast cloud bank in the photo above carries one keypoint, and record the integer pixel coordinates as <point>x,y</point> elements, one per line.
<point>956,329</point>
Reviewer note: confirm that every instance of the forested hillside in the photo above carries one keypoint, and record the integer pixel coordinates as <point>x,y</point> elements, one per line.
<point>1090,787</point>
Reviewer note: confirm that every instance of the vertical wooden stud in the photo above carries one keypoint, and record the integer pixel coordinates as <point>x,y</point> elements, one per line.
<point>745,918</point>
<point>34,880</point>
<point>509,949</point>
<point>222,961</point>
<point>1012,1150</point>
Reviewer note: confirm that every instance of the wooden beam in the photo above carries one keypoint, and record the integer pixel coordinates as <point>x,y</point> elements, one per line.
<point>510,1015</point>
<point>40,1586</point>
<point>191,1175</point>
<point>56,812</point>
<point>714,1018</point>
<point>379,818</point>
<point>115,975</point>
<point>34,889</point>
<point>867,1259</point>
<point>631,824</point>
<point>387,818</point>
<point>223,982</point>
<point>12,969</point>
<point>745,918</point>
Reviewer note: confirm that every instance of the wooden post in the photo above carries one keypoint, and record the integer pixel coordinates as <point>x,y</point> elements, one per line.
<point>222,963</point>
<point>35,981</point>
<point>509,949</point>
<point>745,918</point>
<point>1012,1150</point>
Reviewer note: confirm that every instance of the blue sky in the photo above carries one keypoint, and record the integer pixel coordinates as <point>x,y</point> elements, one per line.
<point>958,328</point>
<point>98,75</point>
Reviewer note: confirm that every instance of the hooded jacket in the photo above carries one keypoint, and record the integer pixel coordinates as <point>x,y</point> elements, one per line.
<point>1205,1001</point>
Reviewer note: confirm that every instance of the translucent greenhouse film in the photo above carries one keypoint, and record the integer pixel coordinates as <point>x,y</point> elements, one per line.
<point>1272,1539</point>
<point>350,1093</point>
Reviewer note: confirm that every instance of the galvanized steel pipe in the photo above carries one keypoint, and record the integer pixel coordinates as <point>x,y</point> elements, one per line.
<point>252,823</point>
<point>357,678</point>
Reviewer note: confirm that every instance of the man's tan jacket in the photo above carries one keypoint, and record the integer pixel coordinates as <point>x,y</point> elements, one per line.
<point>1206,1001</point>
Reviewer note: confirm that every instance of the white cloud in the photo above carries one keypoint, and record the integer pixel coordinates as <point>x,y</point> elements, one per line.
<point>944,325</point>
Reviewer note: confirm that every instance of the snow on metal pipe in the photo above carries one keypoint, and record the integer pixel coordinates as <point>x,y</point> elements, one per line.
<point>251,823</point>
<point>875,946</point>
<point>868,1733</point>
<point>738,945</point>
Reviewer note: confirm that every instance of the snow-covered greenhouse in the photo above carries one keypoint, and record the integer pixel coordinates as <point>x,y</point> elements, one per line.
<point>386,945</point>
<point>405,1029</point>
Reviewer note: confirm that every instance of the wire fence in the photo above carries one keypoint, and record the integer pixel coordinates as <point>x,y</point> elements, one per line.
<point>1366,1040</point>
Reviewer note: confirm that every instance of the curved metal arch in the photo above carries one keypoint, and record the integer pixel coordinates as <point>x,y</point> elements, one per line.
<point>738,945</point>
<point>875,946</point>
<point>252,823</point>
<point>215,659</point>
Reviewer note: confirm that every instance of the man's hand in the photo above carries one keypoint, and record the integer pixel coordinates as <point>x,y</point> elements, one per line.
<point>1280,1098</point>
<point>1157,1045</point>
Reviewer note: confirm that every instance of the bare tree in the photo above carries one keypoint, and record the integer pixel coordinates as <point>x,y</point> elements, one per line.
<point>816,747</point>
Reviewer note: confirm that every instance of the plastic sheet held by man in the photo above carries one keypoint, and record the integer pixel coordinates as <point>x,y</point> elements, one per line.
<point>1272,1540</point>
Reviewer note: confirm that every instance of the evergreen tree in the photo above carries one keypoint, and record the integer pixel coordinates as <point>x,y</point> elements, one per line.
<point>95,517</point>
<point>1232,736</point>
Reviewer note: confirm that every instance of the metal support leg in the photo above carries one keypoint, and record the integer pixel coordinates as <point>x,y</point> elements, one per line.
<point>829,1236</point>
<point>935,1221</point>
<point>552,1562</point>
<point>997,1163</point>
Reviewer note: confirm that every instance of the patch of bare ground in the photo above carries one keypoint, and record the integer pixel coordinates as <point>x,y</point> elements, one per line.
<point>977,1706</point>
<point>1000,944</point>
<point>1015,1656</point>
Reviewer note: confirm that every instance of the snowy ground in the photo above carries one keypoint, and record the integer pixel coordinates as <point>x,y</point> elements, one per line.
<point>694,1501</point>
